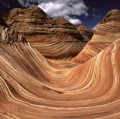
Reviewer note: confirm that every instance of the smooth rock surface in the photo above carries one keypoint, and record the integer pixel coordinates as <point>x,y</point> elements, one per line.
<point>33,87</point>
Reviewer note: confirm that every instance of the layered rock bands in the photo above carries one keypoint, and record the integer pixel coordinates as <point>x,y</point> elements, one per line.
<point>34,87</point>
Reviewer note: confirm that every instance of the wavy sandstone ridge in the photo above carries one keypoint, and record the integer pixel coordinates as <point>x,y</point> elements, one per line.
<point>33,87</point>
<point>30,88</point>
<point>53,38</point>
<point>108,30</point>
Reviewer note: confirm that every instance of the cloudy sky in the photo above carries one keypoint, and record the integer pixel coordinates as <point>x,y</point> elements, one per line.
<point>86,12</point>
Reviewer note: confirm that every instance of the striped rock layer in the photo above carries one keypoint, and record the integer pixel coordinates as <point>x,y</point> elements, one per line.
<point>53,38</point>
<point>108,30</point>
<point>33,87</point>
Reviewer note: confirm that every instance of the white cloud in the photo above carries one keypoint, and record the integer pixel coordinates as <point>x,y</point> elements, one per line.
<point>67,9</point>
<point>94,28</point>
<point>75,21</point>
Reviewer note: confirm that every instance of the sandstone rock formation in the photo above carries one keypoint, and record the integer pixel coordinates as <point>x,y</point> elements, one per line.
<point>34,21</point>
<point>33,87</point>
<point>8,35</point>
<point>85,32</point>
<point>83,27</point>
<point>53,38</point>
<point>108,30</point>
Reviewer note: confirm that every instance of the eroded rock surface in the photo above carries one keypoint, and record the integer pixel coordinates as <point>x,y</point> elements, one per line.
<point>108,30</point>
<point>85,32</point>
<point>53,38</point>
<point>34,21</point>
<point>8,35</point>
<point>33,87</point>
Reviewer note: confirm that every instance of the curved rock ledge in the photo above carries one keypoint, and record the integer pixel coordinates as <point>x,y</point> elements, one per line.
<point>33,87</point>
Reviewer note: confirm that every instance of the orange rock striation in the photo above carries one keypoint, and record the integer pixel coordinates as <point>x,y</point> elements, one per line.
<point>108,30</point>
<point>32,87</point>
<point>53,38</point>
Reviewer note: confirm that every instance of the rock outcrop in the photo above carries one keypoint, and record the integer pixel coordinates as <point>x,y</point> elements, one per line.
<point>8,35</point>
<point>83,27</point>
<point>34,21</point>
<point>85,32</point>
<point>30,88</point>
<point>59,36</point>
<point>108,30</point>
<point>33,87</point>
